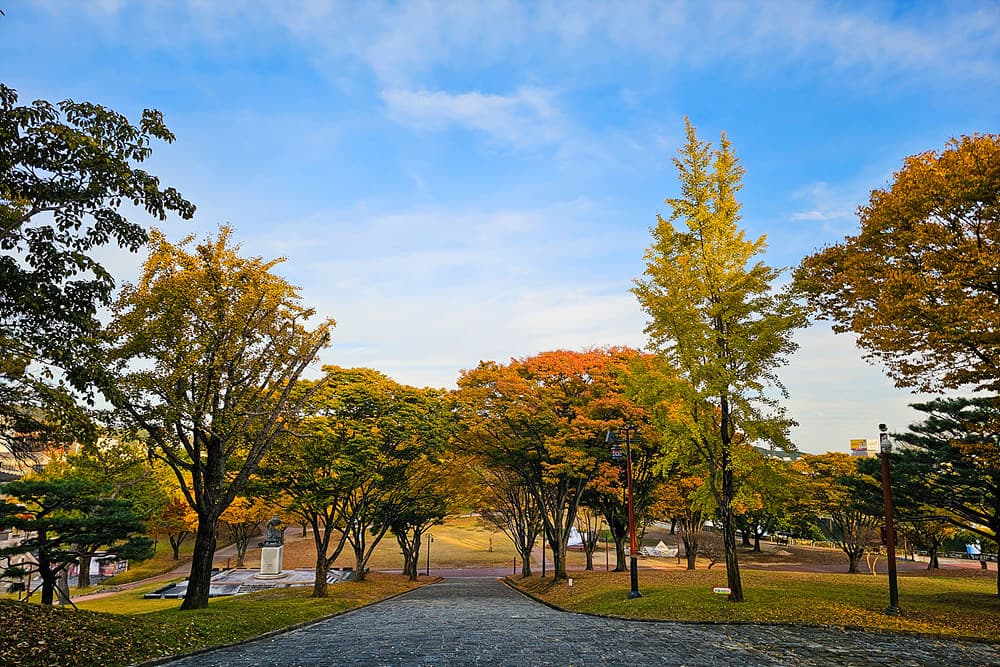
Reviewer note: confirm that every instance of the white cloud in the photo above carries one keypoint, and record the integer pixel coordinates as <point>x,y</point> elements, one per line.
<point>528,117</point>
<point>836,396</point>
<point>819,216</point>
<point>832,207</point>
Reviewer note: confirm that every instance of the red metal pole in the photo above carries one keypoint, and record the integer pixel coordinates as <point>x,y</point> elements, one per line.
<point>633,563</point>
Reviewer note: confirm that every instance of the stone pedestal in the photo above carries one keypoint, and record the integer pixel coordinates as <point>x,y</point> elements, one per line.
<point>270,562</point>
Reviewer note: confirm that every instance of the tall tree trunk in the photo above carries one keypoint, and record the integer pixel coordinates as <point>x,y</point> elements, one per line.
<point>932,559</point>
<point>852,568</point>
<point>83,575</point>
<point>45,572</point>
<point>321,572</point>
<point>690,551</point>
<point>411,554</point>
<point>526,562</point>
<point>733,578</point>
<point>63,585</point>
<point>202,557</point>
<point>621,562</point>
<point>359,562</point>
<point>558,563</point>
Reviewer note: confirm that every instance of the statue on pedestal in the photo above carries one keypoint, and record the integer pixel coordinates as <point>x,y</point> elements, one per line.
<point>274,533</point>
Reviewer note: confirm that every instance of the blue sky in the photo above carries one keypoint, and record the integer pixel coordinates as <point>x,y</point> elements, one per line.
<point>456,181</point>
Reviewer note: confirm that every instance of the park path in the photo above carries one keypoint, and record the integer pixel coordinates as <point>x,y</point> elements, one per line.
<point>480,621</point>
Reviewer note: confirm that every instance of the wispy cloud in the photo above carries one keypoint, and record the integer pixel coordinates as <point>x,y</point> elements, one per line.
<point>527,117</point>
<point>404,43</point>
<point>832,207</point>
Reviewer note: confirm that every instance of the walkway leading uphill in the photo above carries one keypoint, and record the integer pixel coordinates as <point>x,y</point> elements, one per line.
<point>482,622</point>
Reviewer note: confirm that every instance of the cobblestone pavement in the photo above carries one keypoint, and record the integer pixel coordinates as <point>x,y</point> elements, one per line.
<point>482,622</point>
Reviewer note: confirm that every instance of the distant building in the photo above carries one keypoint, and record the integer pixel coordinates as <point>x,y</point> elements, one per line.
<point>775,453</point>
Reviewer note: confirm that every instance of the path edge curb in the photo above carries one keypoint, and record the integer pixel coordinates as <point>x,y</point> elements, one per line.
<point>816,626</point>
<point>153,662</point>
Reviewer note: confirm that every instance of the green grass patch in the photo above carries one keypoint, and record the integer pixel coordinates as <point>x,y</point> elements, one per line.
<point>161,563</point>
<point>946,606</point>
<point>37,635</point>
<point>132,602</point>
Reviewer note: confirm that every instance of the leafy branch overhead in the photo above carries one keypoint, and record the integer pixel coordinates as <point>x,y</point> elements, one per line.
<point>68,174</point>
<point>919,284</point>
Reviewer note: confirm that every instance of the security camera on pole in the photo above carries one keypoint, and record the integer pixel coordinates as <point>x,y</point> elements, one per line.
<point>616,454</point>
<point>885,448</point>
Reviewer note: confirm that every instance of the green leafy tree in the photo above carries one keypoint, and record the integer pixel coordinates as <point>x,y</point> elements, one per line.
<point>716,319</point>
<point>119,469</point>
<point>393,430</point>
<point>928,533</point>
<point>765,496</point>
<point>918,286</point>
<point>346,471</point>
<point>951,462</point>
<point>66,519</point>
<point>434,489</point>
<point>310,476</point>
<point>66,169</point>
<point>205,353</point>
<point>841,498</point>
<point>508,505</point>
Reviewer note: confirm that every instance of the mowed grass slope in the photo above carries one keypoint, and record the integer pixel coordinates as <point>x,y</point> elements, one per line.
<point>952,602</point>
<point>144,629</point>
<point>956,606</point>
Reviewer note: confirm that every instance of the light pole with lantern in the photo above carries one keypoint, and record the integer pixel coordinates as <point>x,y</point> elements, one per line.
<point>616,454</point>
<point>885,448</point>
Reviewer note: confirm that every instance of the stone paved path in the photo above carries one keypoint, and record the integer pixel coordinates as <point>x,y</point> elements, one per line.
<point>482,622</point>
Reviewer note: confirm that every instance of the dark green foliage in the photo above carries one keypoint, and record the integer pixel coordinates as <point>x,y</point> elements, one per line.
<point>67,518</point>
<point>952,463</point>
<point>65,172</point>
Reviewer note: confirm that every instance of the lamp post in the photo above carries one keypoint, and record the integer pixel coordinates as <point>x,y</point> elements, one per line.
<point>616,454</point>
<point>430,541</point>
<point>885,447</point>
<point>543,553</point>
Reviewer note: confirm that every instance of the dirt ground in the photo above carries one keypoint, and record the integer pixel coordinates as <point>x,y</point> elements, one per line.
<point>465,545</point>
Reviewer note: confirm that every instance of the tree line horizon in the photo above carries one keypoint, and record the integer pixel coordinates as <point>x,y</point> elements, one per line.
<point>202,363</point>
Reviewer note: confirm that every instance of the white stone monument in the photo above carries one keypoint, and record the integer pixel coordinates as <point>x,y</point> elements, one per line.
<point>272,552</point>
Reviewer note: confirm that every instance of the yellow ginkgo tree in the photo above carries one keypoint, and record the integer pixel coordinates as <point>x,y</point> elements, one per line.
<point>243,517</point>
<point>204,351</point>
<point>717,320</point>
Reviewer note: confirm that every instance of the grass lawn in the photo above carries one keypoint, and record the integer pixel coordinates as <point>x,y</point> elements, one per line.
<point>161,563</point>
<point>145,629</point>
<point>957,606</point>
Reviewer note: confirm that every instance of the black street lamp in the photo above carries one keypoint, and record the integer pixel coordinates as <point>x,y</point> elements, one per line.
<point>616,454</point>
<point>430,541</point>
<point>885,447</point>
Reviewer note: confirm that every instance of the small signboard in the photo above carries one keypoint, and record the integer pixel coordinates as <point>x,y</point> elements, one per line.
<point>859,447</point>
<point>722,590</point>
